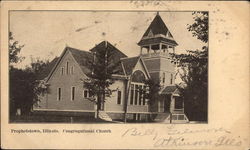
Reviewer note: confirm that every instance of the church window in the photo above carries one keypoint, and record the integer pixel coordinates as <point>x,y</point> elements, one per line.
<point>140,94</point>
<point>67,67</point>
<point>62,70</point>
<point>72,93</point>
<point>85,93</point>
<point>72,69</point>
<point>171,79</point>
<point>136,94</point>
<point>59,94</point>
<point>119,96</point>
<point>164,76</point>
<point>132,94</point>
<point>143,95</point>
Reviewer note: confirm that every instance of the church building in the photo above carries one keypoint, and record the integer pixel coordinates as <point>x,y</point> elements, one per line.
<point>67,95</point>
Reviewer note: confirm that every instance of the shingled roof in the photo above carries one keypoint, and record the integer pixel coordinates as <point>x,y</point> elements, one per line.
<point>45,72</point>
<point>169,89</point>
<point>157,26</point>
<point>84,59</point>
<point>129,64</point>
<point>117,54</point>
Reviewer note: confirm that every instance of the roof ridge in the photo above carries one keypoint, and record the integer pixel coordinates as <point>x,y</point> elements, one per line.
<point>72,48</point>
<point>129,57</point>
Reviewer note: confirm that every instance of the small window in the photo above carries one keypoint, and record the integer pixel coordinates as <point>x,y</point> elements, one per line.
<point>144,95</point>
<point>59,94</point>
<point>62,70</point>
<point>140,95</point>
<point>72,93</point>
<point>85,93</point>
<point>131,94</point>
<point>136,94</point>
<point>164,76</point>
<point>171,79</point>
<point>67,67</point>
<point>119,96</point>
<point>72,70</point>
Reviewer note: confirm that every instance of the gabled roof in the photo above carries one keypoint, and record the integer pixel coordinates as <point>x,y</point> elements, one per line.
<point>117,54</point>
<point>45,72</point>
<point>129,64</point>
<point>169,89</point>
<point>84,59</point>
<point>157,26</point>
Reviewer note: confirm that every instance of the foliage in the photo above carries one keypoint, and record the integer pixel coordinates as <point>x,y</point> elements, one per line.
<point>14,50</point>
<point>199,28</point>
<point>100,79</point>
<point>152,91</point>
<point>194,70</point>
<point>25,90</point>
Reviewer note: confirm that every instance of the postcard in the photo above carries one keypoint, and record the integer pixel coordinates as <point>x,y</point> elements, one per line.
<point>130,74</point>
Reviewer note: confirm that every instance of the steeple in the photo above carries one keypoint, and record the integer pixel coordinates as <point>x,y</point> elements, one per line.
<point>157,36</point>
<point>156,44</point>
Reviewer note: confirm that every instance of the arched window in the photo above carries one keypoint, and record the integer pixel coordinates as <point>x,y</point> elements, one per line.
<point>136,90</point>
<point>138,76</point>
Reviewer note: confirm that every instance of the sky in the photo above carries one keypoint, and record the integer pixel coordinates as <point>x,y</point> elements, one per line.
<point>45,34</point>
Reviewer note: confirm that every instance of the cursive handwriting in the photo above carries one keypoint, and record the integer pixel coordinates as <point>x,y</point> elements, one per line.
<point>177,138</point>
<point>136,132</point>
<point>181,141</point>
<point>189,131</point>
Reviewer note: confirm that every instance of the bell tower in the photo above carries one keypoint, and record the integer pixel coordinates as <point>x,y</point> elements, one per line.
<point>156,44</point>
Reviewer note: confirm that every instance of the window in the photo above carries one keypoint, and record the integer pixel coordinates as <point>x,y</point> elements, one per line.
<point>59,94</point>
<point>131,94</point>
<point>72,93</point>
<point>171,79</point>
<point>140,95</point>
<point>85,93</point>
<point>72,70</point>
<point>143,95</point>
<point>62,70</point>
<point>67,67</point>
<point>164,76</point>
<point>136,94</point>
<point>119,96</point>
<point>178,103</point>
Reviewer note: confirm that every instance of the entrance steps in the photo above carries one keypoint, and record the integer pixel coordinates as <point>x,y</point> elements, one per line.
<point>104,116</point>
<point>160,117</point>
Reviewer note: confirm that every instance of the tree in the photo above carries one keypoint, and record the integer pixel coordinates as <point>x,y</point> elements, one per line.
<point>25,89</point>
<point>152,91</point>
<point>99,81</point>
<point>194,69</point>
<point>14,50</point>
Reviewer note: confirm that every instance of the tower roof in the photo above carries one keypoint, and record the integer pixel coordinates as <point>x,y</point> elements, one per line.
<point>158,27</point>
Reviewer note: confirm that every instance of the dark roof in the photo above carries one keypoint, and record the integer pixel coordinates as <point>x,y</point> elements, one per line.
<point>157,40</point>
<point>83,58</point>
<point>129,64</point>
<point>157,26</point>
<point>169,89</point>
<point>117,54</point>
<point>45,72</point>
